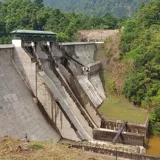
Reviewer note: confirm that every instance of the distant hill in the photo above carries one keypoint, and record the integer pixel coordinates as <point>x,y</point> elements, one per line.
<point>118,8</point>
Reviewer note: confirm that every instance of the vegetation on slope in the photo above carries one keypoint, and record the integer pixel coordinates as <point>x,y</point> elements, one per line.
<point>118,8</point>
<point>20,149</point>
<point>155,121</point>
<point>140,43</point>
<point>119,108</point>
<point>116,106</point>
<point>24,14</point>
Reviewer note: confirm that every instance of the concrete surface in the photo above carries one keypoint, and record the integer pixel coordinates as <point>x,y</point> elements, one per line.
<point>35,83</point>
<point>90,90</point>
<point>84,53</point>
<point>19,115</point>
<point>63,97</point>
<point>81,96</point>
<point>97,84</point>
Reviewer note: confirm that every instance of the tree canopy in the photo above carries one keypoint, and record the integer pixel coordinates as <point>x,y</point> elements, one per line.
<point>140,42</point>
<point>155,121</point>
<point>24,14</point>
<point>120,8</point>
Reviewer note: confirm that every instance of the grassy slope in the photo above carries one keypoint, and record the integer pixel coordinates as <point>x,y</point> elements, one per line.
<point>17,149</point>
<point>116,106</point>
<point>119,108</point>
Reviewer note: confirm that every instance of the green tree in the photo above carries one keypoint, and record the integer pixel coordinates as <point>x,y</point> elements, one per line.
<point>140,42</point>
<point>25,14</point>
<point>39,3</point>
<point>155,121</point>
<point>119,8</point>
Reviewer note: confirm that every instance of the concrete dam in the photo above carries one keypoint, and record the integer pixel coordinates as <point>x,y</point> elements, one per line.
<point>49,90</point>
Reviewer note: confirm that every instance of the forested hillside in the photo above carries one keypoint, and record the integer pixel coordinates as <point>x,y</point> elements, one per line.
<point>118,8</point>
<point>24,14</point>
<point>140,45</point>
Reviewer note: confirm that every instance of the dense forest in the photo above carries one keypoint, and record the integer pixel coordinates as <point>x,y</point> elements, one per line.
<point>140,45</point>
<point>120,8</point>
<point>26,14</point>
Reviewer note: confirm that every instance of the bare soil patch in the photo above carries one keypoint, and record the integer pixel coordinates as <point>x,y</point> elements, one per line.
<point>95,35</point>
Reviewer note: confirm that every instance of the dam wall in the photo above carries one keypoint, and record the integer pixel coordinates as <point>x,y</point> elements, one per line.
<point>59,88</point>
<point>94,68</point>
<point>90,90</point>
<point>135,139</point>
<point>84,53</point>
<point>29,73</point>
<point>81,96</point>
<point>64,76</point>
<point>97,84</point>
<point>37,100</point>
<point>19,113</point>
<point>131,127</point>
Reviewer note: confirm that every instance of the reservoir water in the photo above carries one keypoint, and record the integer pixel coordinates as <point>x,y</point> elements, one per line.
<point>154,146</point>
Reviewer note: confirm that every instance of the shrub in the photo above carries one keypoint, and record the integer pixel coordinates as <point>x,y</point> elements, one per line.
<point>154,127</point>
<point>35,145</point>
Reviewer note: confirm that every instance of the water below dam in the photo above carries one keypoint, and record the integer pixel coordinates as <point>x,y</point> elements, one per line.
<point>154,146</point>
